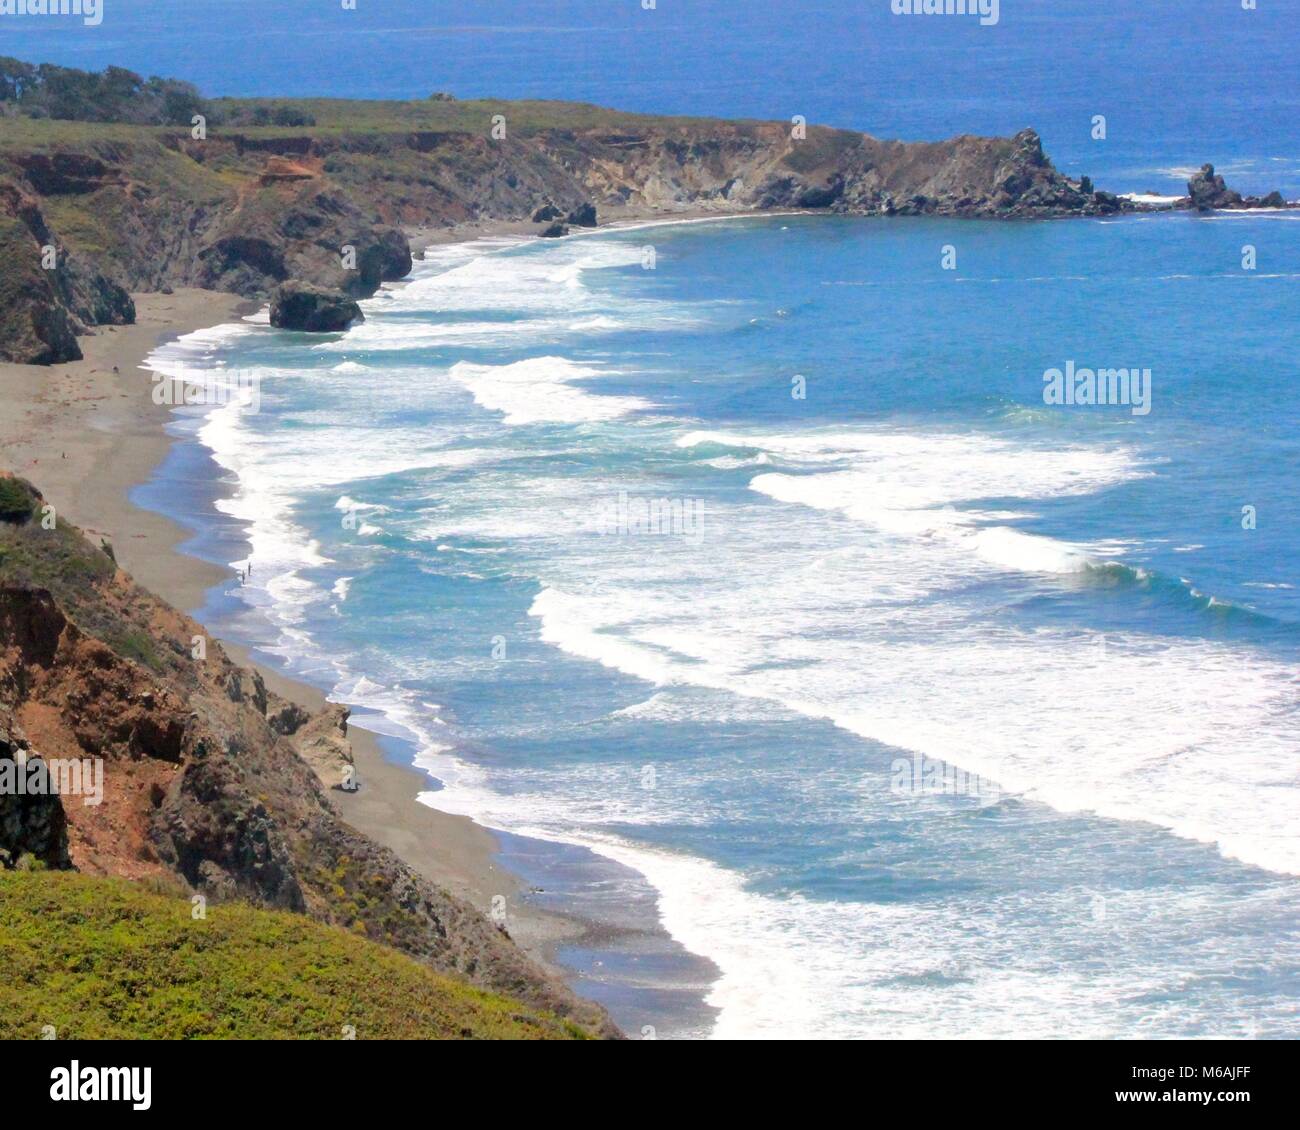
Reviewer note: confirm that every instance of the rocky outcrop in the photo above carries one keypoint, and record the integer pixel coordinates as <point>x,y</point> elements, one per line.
<point>246,210</point>
<point>1207,192</point>
<point>35,327</point>
<point>584,216</point>
<point>312,309</point>
<point>209,779</point>
<point>300,230</point>
<point>33,827</point>
<point>322,742</point>
<point>48,296</point>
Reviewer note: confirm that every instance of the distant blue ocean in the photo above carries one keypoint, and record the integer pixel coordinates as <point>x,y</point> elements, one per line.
<point>750,556</point>
<point>927,707</point>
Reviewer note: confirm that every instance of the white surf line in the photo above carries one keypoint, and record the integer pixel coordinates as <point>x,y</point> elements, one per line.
<point>516,239</point>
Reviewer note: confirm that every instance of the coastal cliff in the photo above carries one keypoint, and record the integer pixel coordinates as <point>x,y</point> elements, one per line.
<point>98,199</point>
<point>101,196</point>
<point>111,184</point>
<point>210,782</point>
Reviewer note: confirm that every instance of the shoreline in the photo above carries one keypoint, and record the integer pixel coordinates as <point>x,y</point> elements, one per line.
<point>114,439</point>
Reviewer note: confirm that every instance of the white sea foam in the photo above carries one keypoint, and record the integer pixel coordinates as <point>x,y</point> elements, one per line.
<point>543,390</point>
<point>832,618</point>
<point>191,355</point>
<point>485,297</point>
<point>1098,724</point>
<point>1150,198</point>
<point>916,972</point>
<point>908,485</point>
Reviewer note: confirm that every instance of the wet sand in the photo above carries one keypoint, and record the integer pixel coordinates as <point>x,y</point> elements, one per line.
<point>86,433</point>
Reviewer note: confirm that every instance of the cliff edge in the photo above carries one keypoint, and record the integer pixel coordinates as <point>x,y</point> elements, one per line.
<point>206,778</point>
<point>132,188</point>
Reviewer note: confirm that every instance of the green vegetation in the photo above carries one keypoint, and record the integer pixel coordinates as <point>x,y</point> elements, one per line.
<point>340,117</point>
<point>57,95</point>
<point>17,500</point>
<point>117,95</point>
<point>523,117</point>
<point>138,646</point>
<point>58,558</point>
<point>108,959</point>
<point>113,95</point>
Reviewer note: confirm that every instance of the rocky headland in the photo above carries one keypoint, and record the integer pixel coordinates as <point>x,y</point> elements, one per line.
<point>247,196</point>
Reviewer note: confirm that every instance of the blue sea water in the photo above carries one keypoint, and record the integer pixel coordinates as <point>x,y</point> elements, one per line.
<point>929,708</point>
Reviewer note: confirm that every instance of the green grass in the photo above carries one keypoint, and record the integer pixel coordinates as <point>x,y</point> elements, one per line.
<point>340,115</point>
<point>138,646</point>
<point>474,116</point>
<point>58,559</point>
<point>108,959</point>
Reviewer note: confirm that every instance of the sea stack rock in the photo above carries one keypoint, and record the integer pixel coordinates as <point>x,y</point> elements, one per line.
<point>313,309</point>
<point>555,231</point>
<point>1207,191</point>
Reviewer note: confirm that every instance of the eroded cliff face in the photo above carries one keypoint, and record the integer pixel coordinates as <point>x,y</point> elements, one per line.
<point>247,210</point>
<point>47,294</point>
<point>136,209</point>
<point>206,775</point>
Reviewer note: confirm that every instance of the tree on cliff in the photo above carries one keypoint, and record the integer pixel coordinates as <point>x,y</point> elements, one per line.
<point>113,95</point>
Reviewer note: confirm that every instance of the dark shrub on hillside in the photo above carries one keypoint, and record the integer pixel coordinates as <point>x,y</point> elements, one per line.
<point>17,500</point>
<point>112,95</point>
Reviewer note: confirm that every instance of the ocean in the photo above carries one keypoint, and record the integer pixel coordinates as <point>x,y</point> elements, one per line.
<point>748,555</point>
<point>746,563</point>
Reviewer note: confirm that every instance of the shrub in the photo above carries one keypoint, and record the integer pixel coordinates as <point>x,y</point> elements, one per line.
<point>17,500</point>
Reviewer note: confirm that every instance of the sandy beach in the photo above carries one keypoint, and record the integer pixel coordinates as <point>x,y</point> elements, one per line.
<point>86,433</point>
